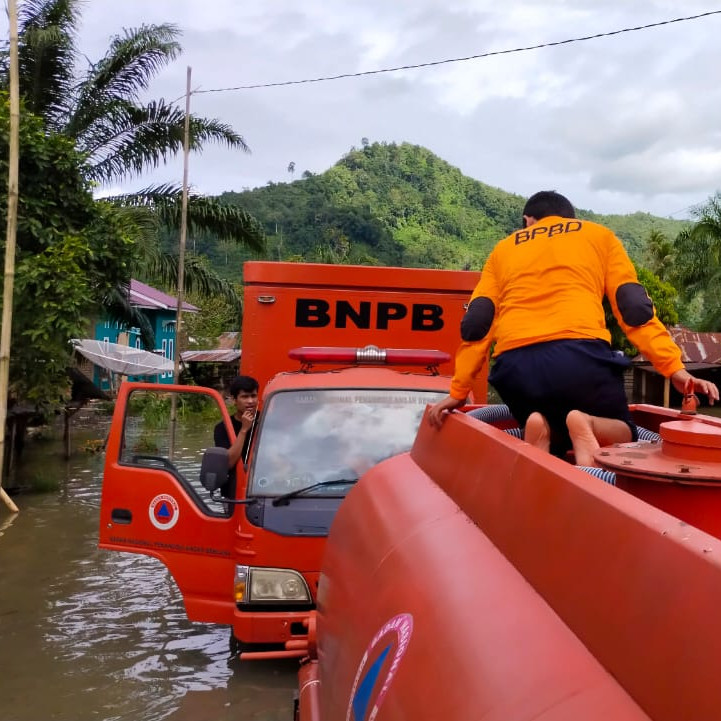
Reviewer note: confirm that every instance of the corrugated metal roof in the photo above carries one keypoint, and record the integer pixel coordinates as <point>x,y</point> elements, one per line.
<point>229,341</point>
<point>145,296</point>
<point>219,355</point>
<point>698,350</point>
<point>227,351</point>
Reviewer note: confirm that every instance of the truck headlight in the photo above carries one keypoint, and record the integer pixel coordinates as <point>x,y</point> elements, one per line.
<point>269,585</point>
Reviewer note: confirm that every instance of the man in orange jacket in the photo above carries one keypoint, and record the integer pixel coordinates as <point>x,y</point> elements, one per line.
<point>540,299</point>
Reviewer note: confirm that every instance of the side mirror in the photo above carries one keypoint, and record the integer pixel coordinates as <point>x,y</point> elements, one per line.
<point>214,468</point>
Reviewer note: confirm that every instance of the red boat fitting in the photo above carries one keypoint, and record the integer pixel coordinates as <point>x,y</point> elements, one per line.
<point>689,404</point>
<point>680,475</point>
<point>689,453</point>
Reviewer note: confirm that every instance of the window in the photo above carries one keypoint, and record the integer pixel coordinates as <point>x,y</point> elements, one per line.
<point>165,354</point>
<point>317,435</point>
<point>151,440</point>
<point>171,356</point>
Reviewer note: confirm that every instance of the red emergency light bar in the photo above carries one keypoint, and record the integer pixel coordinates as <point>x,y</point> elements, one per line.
<point>371,354</point>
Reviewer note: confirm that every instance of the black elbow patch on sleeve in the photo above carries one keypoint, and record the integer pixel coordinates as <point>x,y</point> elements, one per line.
<point>478,319</point>
<point>634,305</point>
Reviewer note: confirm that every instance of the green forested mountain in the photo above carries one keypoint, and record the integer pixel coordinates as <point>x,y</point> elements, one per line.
<point>395,204</point>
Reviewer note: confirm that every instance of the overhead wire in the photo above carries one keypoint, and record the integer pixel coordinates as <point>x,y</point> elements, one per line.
<point>431,63</point>
<point>688,209</point>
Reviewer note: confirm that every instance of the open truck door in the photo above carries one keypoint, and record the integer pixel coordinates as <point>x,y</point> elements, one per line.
<point>161,491</point>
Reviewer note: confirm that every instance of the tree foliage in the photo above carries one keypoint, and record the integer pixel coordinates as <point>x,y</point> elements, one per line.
<point>216,316</point>
<point>659,254</point>
<point>401,205</point>
<point>71,252</point>
<point>697,266</point>
<point>97,105</point>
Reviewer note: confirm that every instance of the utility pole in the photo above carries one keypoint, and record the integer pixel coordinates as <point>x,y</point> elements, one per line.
<point>181,264</point>
<point>183,228</point>
<point>10,241</point>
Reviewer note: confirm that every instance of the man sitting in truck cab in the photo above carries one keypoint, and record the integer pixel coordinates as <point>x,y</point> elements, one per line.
<point>244,392</point>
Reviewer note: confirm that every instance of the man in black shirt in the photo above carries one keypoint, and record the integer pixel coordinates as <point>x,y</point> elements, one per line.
<point>244,392</point>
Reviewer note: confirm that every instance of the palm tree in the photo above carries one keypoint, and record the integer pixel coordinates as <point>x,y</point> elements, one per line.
<point>659,253</point>
<point>144,214</point>
<point>100,109</point>
<point>157,206</point>
<point>697,265</point>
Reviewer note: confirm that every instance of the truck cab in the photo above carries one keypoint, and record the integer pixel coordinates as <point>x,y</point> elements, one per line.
<point>347,358</point>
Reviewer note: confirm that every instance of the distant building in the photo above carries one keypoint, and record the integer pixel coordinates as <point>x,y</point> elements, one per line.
<point>160,309</point>
<point>701,354</point>
<point>217,367</point>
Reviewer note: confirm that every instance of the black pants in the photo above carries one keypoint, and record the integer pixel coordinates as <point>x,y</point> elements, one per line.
<point>559,376</point>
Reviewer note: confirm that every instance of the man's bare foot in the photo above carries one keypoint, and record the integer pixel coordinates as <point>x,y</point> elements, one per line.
<point>580,428</point>
<point>537,432</point>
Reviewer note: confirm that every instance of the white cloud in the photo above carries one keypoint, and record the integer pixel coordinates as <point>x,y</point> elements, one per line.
<point>623,123</point>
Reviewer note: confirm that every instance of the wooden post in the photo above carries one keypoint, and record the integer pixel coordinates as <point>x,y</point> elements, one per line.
<point>10,242</point>
<point>666,392</point>
<point>643,386</point>
<point>66,432</point>
<point>181,264</point>
<point>183,231</point>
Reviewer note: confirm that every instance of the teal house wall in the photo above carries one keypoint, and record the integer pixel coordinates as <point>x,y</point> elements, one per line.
<point>161,310</point>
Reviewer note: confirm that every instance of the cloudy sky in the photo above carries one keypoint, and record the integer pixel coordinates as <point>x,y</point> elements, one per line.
<point>623,123</point>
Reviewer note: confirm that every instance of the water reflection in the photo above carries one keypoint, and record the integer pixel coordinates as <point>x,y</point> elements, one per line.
<point>91,634</point>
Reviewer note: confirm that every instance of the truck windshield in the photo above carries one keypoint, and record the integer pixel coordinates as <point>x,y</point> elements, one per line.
<point>309,437</point>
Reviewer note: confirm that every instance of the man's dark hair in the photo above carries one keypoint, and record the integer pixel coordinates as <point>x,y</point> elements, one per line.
<point>242,384</point>
<point>548,202</point>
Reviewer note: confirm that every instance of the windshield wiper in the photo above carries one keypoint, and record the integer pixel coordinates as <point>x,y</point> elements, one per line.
<point>302,491</point>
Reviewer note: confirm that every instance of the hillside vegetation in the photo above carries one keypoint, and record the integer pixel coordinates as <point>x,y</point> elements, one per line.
<point>389,204</point>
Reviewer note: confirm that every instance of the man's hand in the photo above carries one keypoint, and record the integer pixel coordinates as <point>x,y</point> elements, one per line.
<point>682,377</point>
<point>441,409</point>
<point>236,449</point>
<point>246,420</point>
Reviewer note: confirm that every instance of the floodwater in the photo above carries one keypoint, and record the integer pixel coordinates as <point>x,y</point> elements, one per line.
<point>91,635</point>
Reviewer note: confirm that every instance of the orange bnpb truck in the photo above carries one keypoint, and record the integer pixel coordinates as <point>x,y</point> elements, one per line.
<point>347,359</point>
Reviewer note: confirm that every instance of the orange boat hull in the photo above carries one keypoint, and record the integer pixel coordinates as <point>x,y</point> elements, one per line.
<point>479,578</point>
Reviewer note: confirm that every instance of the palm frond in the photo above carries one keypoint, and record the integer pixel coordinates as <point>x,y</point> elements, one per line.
<point>156,267</point>
<point>116,305</point>
<point>101,112</point>
<point>142,225</point>
<point>134,59</point>
<point>127,68</point>
<point>46,54</point>
<point>227,222</point>
<point>199,278</point>
<point>129,139</point>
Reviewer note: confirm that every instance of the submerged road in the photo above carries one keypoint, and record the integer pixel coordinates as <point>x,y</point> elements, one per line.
<point>91,635</point>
